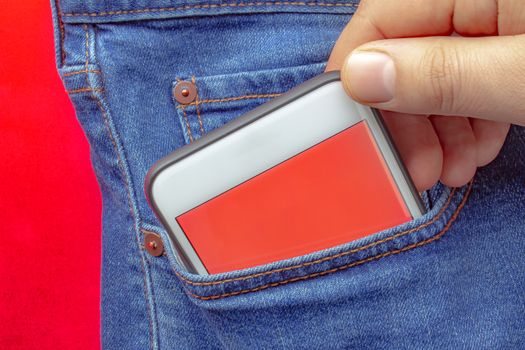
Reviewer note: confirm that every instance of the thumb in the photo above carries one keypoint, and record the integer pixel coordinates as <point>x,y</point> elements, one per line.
<point>482,77</point>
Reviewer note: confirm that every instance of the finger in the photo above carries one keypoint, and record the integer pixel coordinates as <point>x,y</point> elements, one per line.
<point>476,17</point>
<point>358,31</point>
<point>418,146</point>
<point>490,137</point>
<point>511,17</point>
<point>441,76</point>
<point>459,149</point>
<point>380,19</point>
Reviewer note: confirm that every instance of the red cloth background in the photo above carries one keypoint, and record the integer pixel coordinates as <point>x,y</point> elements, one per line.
<point>49,201</point>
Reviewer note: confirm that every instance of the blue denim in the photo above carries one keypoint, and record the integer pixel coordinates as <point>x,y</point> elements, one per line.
<point>452,279</point>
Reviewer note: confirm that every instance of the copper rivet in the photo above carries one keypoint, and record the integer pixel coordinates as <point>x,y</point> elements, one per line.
<point>153,244</point>
<point>185,92</point>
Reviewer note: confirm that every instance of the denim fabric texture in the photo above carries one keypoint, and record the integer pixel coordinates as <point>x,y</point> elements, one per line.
<point>452,279</point>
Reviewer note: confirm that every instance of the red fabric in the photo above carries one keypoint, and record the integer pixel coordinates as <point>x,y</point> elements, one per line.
<point>49,201</point>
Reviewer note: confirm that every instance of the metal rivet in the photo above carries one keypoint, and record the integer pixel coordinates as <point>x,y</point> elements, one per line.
<point>153,244</point>
<point>185,92</point>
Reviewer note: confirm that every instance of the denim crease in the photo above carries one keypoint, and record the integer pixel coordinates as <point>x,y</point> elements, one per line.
<point>452,279</point>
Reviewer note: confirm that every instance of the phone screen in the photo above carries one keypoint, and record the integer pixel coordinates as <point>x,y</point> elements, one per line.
<point>337,191</point>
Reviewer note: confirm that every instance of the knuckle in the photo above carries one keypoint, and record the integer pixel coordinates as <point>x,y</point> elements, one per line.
<point>442,73</point>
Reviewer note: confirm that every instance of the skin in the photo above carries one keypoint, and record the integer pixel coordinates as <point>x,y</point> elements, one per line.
<point>457,79</point>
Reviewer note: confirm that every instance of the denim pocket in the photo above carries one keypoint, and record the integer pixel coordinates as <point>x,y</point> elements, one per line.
<point>427,229</point>
<point>221,98</point>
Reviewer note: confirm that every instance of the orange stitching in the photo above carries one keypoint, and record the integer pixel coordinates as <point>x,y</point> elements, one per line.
<point>206,6</point>
<point>185,116</point>
<point>327,258</point>
<point>85,90</point>
<point>187,124</point>
<point>62,32</point>
<point>197,105</point>
<point>352,264</point>
<point>87,53</point>
<point>81,72</point>
<point>228,99</point>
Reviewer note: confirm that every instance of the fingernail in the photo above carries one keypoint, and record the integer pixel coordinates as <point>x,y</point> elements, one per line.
<point>370,76</point>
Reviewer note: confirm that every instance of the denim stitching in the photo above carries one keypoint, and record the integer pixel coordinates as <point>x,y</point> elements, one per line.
<point>81,72</point>
<point>331,257</point>
<point>87,54</point>
<point>62,32</point>
<point>76,91</point>
<point>208,6</point>
<point>352,264</point>
<point>151,318</point>
<point>188,128</point>
<point>184,115</point>
<point>229,99</point>
<point>134,214</point>
<point>197,106</point>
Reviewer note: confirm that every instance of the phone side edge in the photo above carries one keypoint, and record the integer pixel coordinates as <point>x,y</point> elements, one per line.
<point>417,208</point>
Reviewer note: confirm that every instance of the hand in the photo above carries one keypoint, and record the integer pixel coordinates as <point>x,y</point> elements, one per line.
<point>428,85</point>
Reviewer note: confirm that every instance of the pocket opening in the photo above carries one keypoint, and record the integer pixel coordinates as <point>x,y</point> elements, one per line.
<point>413,234</point>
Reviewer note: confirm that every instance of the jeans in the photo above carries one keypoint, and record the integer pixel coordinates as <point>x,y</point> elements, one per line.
<point>454,278</point>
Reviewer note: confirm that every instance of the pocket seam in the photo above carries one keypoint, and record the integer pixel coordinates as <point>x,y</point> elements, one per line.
<point>77,91</point>
<point>184,114</point>
<point>201,125</point>
<point>95,71</point>
<point>330,257</point>
<point>187,123</point>
<point>335,256</point>
<point>230,99</point>
<point>343,267</point>
<point>208,6</point>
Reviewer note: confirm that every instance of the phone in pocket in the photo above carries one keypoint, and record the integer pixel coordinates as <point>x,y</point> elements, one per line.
<point>309,170</point>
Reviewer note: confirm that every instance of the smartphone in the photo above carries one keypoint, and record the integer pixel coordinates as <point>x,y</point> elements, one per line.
<point>309,170</point>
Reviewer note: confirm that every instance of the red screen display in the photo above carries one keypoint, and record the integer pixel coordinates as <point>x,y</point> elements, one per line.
<point>335,192</point>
